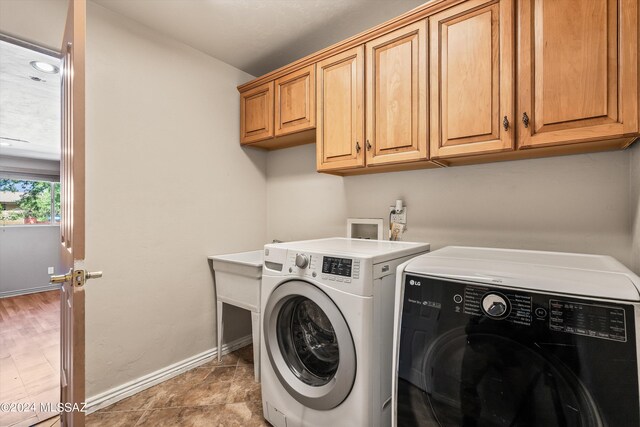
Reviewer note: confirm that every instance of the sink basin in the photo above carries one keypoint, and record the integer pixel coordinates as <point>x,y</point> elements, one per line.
<point>243,263</point>
<point>238,277</point>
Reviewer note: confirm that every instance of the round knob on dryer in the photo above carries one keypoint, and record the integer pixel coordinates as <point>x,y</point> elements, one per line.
<point>495,305</point>
<point>302,261</point>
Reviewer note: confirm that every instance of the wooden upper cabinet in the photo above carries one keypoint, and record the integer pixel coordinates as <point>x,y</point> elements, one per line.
<point>396,96</point>
<point>340,131</point>
<point>456,82</point>
<point>295,103</point>
<point>256,114</point>
<point>471,74</point>
<point>577,70</point>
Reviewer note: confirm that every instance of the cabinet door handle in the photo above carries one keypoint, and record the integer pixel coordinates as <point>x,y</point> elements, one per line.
<point>357,147</point>
<point>525,119</point>
<point>505,123</point>
<point>368,145</point>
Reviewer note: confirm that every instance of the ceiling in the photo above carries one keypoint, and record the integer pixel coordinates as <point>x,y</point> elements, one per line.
<point>258,36</point>
<point>29,109</point>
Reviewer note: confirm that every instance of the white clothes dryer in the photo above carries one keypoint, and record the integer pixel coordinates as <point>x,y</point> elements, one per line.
<point>327,322</point>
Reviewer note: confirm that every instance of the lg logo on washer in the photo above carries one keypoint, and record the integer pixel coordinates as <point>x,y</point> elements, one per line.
<point>414,282</point>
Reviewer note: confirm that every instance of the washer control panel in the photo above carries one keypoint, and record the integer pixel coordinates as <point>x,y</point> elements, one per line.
<point>337,266</point>
<point>324,267</point>
<point>302,260</point>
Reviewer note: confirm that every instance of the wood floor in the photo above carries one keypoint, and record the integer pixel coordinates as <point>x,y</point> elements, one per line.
<point>29,355</point>
<point>214,394</point>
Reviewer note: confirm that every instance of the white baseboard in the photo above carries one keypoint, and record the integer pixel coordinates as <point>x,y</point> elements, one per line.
<point>123,391</point>
<point>8,294</point>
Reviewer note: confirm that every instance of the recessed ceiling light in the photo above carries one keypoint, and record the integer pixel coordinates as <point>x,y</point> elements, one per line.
<point>45,67</point>
<point>5,144</point>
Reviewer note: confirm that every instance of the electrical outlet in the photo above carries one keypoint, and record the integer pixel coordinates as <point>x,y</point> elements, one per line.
<point>50,270</point>
<point>399,218</point>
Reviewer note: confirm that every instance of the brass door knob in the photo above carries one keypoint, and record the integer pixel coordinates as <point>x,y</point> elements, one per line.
<point>78,276</point>
<point>61,278</point>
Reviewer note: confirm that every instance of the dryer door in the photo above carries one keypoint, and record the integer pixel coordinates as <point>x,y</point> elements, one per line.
<point>309,345</point>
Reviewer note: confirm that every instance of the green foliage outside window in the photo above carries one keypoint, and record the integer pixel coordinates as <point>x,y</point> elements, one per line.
<point>34,203</point>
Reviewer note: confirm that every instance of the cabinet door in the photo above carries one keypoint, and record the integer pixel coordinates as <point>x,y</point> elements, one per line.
<point>396,74</point>
<point>577,70</point>
<point>471,72</point>
<point>340,131</point>
<point>296,101</point>
<point>256,114</point>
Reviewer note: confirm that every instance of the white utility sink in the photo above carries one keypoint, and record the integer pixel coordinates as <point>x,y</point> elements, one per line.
<point>238,278</point>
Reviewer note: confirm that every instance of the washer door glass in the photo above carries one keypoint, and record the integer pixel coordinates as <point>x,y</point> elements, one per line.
<point>309,345</point>
<point>308,341</point>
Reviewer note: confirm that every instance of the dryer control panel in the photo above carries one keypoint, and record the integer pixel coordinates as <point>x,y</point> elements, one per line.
<point>599,321</point>
<point>516,307</point>
<point>565,314</point>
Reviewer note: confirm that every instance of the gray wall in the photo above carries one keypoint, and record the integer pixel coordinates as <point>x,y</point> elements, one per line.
<point>575,203</point>
<point>167,185</point>
<point>26,251</point>
<point>36,21</point>
<point>634,196</point>
<point>26,168</point>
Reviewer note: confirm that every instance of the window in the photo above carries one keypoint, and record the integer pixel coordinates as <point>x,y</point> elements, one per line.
<point>29,202</point>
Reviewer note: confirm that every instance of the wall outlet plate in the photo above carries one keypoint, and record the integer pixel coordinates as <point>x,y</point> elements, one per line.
<point>50,270</point>
<point>399,218</point>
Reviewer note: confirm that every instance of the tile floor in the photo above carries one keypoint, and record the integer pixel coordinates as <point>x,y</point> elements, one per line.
<point>214,394</point>
<point>51,422</point>
<point>29,354</point>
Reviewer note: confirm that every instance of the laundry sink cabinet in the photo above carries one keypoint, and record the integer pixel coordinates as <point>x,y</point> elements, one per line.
<point>238,278</point>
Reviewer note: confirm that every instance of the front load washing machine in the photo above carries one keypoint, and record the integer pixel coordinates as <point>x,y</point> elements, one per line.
<point>327,330</point>
<point>510,338</point>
